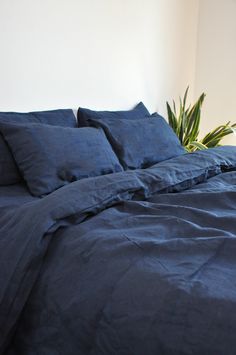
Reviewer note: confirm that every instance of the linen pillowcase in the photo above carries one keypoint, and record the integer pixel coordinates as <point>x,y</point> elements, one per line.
<point>141,143</point>
<point>84,114</point>
<point>51,156</point>
<point>9,173</point>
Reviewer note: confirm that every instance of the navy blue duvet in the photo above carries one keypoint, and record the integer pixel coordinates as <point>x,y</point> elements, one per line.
<point>134,263</point>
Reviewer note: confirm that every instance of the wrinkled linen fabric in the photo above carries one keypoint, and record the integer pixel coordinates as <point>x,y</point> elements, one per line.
<point>137,262</point>
<point>14,196</point>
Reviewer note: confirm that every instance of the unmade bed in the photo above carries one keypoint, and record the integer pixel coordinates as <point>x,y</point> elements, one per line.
<point>126,261</point>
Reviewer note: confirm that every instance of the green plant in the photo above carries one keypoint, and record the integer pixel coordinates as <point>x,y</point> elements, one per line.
<point>186,125</point>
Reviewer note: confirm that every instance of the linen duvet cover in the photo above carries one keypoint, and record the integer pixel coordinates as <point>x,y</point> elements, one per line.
<point>138,262</point>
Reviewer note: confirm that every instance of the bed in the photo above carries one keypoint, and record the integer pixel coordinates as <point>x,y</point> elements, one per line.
<point>136,261</point>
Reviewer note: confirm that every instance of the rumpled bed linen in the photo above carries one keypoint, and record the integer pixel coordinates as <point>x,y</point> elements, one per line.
<point>137,262</point>
<point>14,196</point>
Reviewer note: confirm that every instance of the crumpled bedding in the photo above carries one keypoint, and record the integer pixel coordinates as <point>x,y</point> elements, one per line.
<point>137,262</point>
<point>14,196</point>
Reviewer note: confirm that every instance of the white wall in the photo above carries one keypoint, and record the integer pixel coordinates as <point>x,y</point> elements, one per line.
<point>216,62</point>
<point>95,53</point>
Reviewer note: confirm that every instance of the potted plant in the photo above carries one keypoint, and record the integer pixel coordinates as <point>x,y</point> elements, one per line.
<point>186,125</point>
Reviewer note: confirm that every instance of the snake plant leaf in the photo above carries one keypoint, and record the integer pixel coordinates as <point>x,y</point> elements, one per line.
<point>172,118</point>
<point>174,107</point>
<point>185,97</point>
<point>215,136</point>
<point>186,125</point>
<point>192,129</point>
<point>196,146</point>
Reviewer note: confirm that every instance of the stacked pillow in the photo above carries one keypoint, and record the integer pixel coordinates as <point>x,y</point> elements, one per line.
<point>46,150</point>
<point>50,151</point>
<point>51,156</point>
<point>84,114</point>
<point>139,140</point>
<point>9,173</point>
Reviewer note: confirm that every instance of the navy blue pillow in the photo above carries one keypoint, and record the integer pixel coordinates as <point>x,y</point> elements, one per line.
<point>84,114</point>
<point>51,156</point>
<point>9,173</point>
<point>141,143</point>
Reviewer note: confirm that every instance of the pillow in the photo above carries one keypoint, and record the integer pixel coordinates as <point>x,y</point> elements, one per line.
<point>9,173</point>
<point>51,156</point>
<point>84,114</point>
<point>141,143</point>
